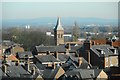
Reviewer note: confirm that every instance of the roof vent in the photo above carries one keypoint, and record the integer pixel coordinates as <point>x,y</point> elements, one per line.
<point>102,52</point>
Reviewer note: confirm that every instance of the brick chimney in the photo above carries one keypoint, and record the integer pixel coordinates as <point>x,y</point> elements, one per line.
<point>56,55</point>
<point>109,41</point>
<point>27,63</point>
<point>87,44</point>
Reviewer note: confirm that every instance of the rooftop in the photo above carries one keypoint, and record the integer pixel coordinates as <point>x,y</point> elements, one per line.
<point>106,50</point>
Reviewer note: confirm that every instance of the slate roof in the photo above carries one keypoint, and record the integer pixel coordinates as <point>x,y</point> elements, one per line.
<point>97,72</point>
<point>54,72</point>
<point>50,73</point>
<point>87,74</point>
<point>85,66</point>
<point>105,48</point>
<point>69,66</point>
<point>46,73</point>
<point>63,57</point>
<point>40,66</point>
<point>72,63</point>
<point>21,55</point>
<point>56,48</point>
<point>75,59</point>
<point>46,58</point>
<point>1,74</point>
<point>75,48</point>
<point>17,72</point>
<point>50,48</point>
<point>84,73</point>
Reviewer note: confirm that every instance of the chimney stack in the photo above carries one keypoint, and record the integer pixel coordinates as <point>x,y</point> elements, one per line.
<point>87,44</point>
<point>48,52</point>
<point>93,42</point>
<point>56,55</point>
<point>88,57</point>
<point>53,65</point>
<point>16,64</point>
<point>79,61</point>
<point>33,71</point>
<point>69,46</point>
<point>27,63</point>
<point>4,68</point>
<point>109,41</point>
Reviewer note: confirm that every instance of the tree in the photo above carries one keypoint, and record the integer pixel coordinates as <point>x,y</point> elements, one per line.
<point>27,38</point>
<point>109,29</point>
<point>95,29</point>
<point>76,32</point>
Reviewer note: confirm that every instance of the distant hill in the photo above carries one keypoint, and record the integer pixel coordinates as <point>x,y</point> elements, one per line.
<point>51,21</point>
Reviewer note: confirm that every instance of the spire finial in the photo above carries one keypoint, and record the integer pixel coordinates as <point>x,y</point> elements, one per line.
<point>58,22</point>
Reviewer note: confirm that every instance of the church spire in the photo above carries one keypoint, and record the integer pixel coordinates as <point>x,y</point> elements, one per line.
<point>58,25</point>
<point>58,33</point>
<point>58,22</point>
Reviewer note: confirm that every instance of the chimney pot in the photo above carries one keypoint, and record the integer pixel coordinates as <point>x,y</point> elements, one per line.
<point>56,55</point>
<point>27,62</point>
<point>53,65</point>
<point>48,52</point>
<point>33,71</point>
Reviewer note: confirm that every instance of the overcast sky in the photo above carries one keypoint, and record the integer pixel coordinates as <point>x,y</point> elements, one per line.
<point>30,10</point>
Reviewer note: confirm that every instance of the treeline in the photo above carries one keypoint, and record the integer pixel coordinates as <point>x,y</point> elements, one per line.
<point>27,37</point>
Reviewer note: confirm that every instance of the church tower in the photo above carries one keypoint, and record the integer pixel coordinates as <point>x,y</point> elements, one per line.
<point>58,33</point>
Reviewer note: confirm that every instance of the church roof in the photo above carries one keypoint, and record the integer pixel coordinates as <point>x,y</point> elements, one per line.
<point>58,25</point>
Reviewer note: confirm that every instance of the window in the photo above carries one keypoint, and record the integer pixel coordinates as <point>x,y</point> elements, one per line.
<point>107,64</point>
<point>61,35</point>
<point>110,61</point>
<point>58,35</point>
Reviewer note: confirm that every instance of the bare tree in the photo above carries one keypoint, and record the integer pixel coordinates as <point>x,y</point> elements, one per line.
<point>95,29</point>
<point>76,31</point>
<point>109,29</point>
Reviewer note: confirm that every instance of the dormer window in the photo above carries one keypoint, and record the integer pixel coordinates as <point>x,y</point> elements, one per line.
<point>114,50</point>
<point>101,51</point>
